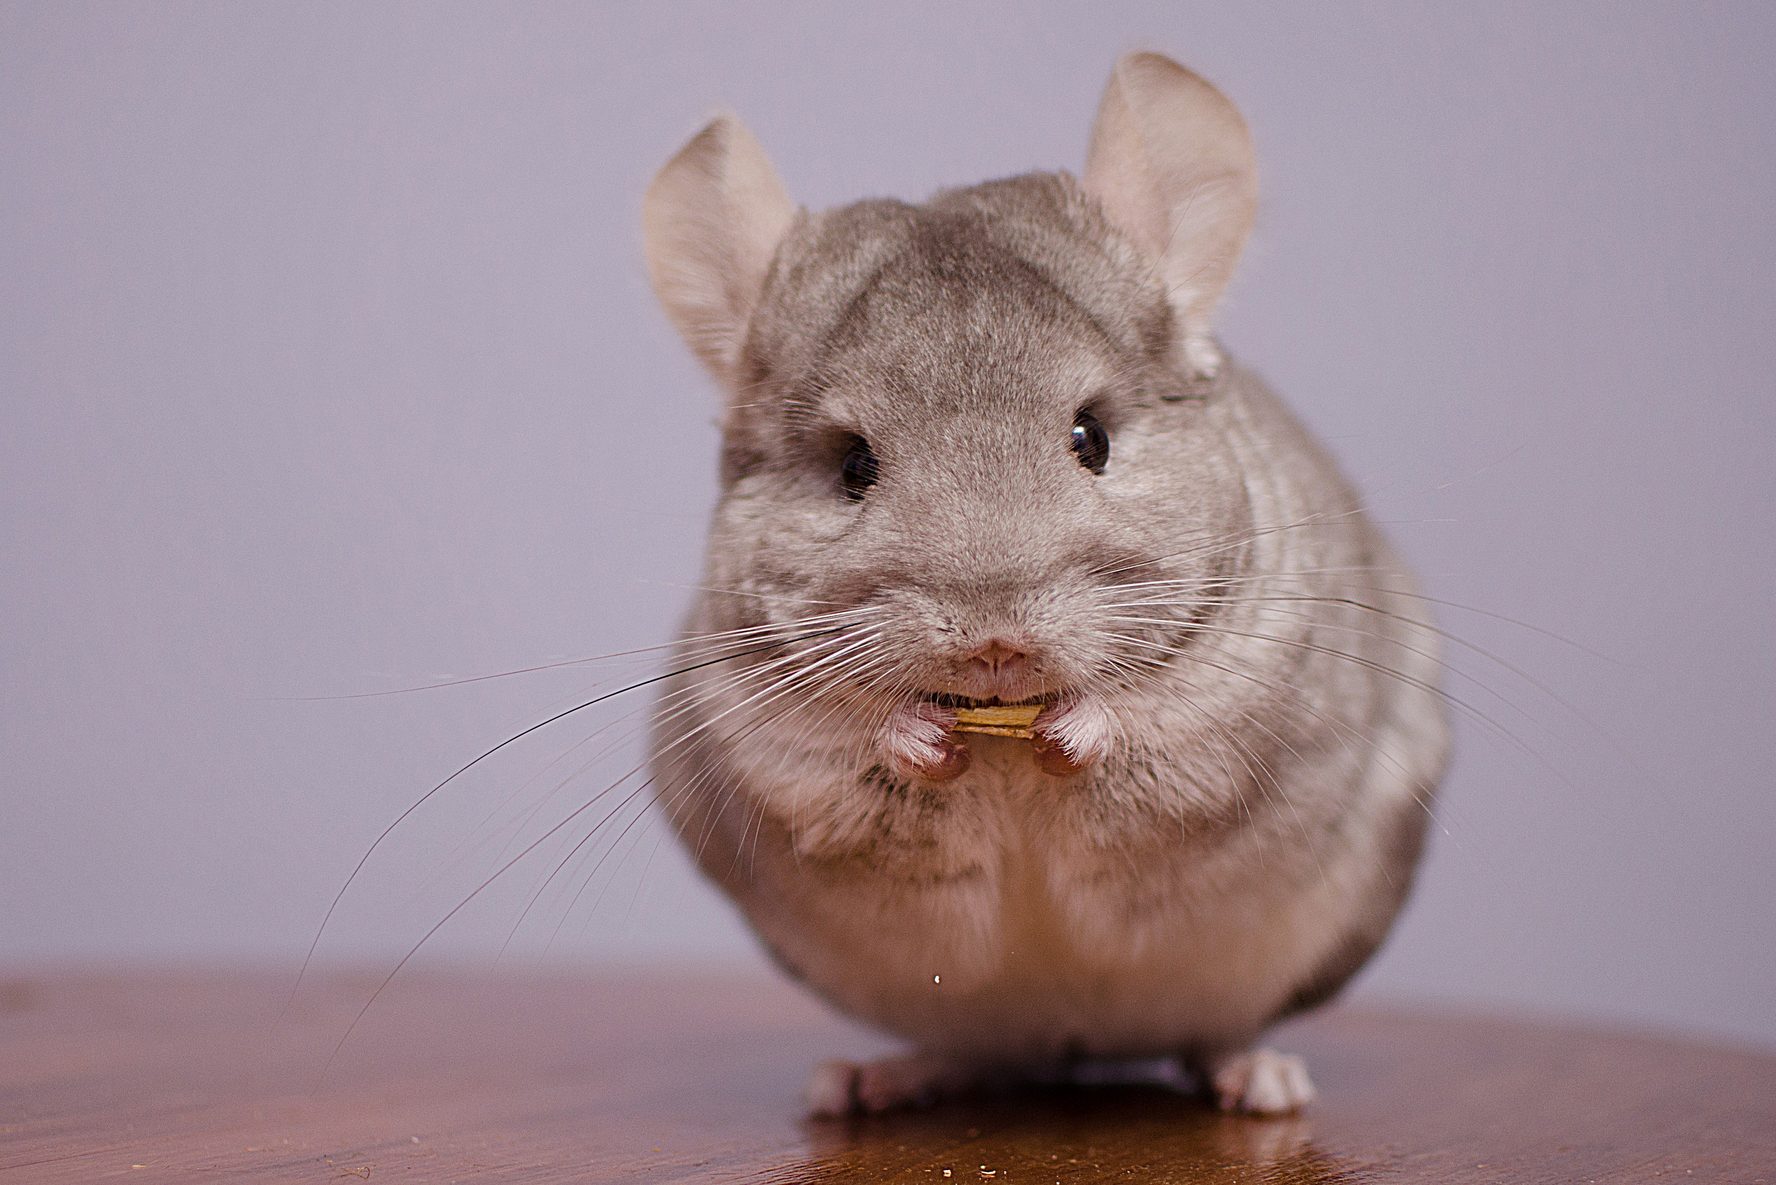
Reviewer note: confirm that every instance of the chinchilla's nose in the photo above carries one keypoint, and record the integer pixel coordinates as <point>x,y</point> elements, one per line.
<point>997,659</point>
<point>1006,666</point>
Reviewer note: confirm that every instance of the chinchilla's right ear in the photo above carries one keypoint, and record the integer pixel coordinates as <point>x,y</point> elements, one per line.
<point>1171,163</point>
<point>712,220</point>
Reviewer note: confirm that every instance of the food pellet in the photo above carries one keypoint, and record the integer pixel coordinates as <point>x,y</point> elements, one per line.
<point>999,721</point>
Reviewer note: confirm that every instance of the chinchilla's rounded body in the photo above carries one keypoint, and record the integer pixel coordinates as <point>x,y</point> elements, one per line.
<point>984,451</point>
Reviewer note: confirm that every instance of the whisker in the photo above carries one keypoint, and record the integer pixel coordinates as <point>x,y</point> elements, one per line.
<point>769,693</point>
<point>399,819</point>
<point>687,702</point>
<point>721,638</point>
<point>1450,698</point>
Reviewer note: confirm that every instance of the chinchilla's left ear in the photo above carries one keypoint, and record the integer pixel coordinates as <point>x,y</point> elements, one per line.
<point>712,220</point>
<point>1171,163</point>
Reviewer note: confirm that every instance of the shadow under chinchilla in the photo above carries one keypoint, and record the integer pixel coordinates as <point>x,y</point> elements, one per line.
<point>1120,1132</point>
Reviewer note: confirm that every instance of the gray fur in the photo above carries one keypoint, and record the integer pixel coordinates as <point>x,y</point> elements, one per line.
<point>1243,843</point>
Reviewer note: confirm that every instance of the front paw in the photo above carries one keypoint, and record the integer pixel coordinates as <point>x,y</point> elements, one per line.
<point>918,742</point>
<point>1072,734</point>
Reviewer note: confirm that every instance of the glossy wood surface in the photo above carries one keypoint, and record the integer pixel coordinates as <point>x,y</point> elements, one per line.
<point>158,1078</point>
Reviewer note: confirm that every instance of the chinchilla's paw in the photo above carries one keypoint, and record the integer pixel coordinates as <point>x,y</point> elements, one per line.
<point>1261,1082</point>
<point>839,1088</point>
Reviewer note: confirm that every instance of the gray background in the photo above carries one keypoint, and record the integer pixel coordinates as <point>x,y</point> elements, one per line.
<point>328,366</point>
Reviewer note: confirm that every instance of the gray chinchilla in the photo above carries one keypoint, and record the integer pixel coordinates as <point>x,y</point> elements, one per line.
<point>986,451</point>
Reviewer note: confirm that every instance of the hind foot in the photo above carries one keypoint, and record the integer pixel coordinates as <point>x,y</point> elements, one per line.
<point>1260,1082</point>
<point>887,1084</point>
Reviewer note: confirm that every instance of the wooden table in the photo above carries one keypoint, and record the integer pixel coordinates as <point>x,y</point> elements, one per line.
<point>506,1078</point>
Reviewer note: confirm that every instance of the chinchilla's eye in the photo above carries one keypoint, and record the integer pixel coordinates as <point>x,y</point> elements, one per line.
<point>1091,444</point>
<point>857,473</point>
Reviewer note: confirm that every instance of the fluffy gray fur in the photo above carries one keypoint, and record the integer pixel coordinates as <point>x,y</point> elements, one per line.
<point>1233,663</point>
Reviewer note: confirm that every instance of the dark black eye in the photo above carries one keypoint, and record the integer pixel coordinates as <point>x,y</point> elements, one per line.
<point>857,473</point>
<point>1091,444</point>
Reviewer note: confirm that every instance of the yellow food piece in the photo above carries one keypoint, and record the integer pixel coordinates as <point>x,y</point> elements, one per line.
<point>1002,721</point>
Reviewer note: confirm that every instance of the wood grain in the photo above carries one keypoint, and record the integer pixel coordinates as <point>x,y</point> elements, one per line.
<point>505,1078</point>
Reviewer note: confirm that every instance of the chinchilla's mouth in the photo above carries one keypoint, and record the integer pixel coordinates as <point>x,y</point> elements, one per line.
<point>945,699</point>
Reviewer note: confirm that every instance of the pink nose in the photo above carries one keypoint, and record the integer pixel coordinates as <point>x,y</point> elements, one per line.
<point>998,657</point>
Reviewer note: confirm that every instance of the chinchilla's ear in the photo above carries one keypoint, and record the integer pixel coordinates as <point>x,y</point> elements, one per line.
<point>1171,163</point>
<point>712,220</point>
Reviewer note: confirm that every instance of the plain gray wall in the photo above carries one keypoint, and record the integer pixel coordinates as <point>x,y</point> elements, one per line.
<point>329,367</point>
